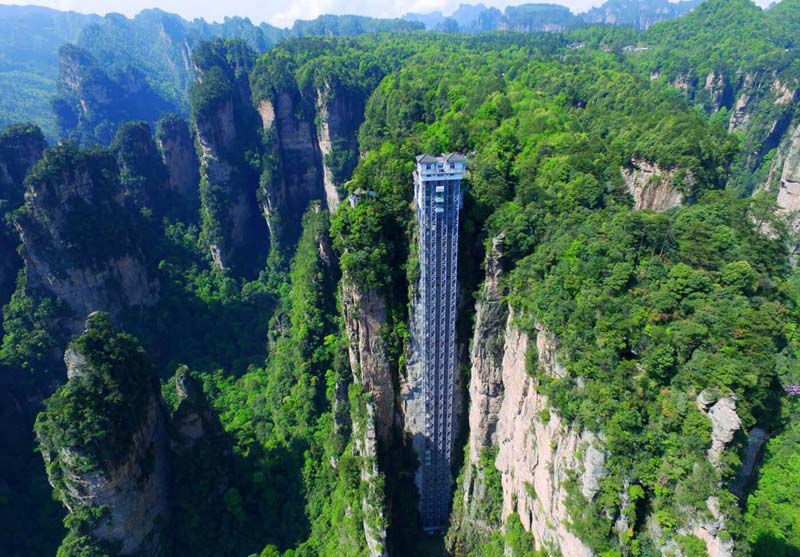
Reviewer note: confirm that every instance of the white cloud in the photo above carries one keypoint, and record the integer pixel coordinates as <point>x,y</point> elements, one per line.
<point>283,12</point>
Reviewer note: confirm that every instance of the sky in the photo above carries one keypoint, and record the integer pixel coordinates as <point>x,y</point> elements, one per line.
<point>283,13</point>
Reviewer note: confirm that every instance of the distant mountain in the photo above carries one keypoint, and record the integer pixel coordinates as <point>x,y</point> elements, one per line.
<point>29,41</point>
<point>337,25</point>
<point>473,18</point>
<point>155,43</point>
<point>537,17</point>
<point>641,14</point>
<point>157,46</point>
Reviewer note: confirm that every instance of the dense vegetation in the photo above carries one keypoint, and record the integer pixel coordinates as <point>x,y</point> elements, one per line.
<point>152,48</point>
<point>89,423</point>
<point>29,41</point>
<point>651,310</point>
<point>660,306</point>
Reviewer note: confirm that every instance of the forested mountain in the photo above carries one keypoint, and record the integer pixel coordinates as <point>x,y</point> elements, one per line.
<point>476,18</point>
<point>121,56</point>
<point>210,320</point>
<point>146,60</point>
<point>29,41</point>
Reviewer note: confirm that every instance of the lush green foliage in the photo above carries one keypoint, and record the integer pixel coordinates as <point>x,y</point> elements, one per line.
<point>88,424</point>
<point>100,409</point>
<point>142,173</point>
<point>228,123</point>
<point>280,419</point>
<point>94,228</point>
<point>29,42</point>
<point>649,309</point>
<point>21,146</point>
<point>772,515</point>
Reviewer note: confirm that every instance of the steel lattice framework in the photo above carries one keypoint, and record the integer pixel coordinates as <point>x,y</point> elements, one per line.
<point>437,191</point>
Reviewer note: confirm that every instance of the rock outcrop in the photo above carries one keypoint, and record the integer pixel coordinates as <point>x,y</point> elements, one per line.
<point>537,453</point>
<point>365,445</point>
<point>143,175</point>
<point>719,91</point>
<point>21,146</point>
<point>725,422</point>
<point>299,152</point>
<point>709,524</point>
<point>752,455</point>
<point>81,243</point>
<point>340,114</point>
<point>365,322</point>
<point>486,386</point>
<point>93,102</point>
<point>194,420</point>
<point>111,470</point>
<point>177,151</point>
<point>296,177</point>
<point>310,129</point>
<point>373,417</point>
<point>641,15</point>
<point>786,168</point>
<point>654,188</point>
<point>226,128</point>
<point>9,265</point>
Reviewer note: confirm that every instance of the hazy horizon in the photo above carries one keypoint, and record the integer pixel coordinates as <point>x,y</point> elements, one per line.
<point>284,15</point>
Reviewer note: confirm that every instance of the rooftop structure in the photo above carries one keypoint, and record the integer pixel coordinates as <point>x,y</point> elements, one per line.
<point>437,192</point>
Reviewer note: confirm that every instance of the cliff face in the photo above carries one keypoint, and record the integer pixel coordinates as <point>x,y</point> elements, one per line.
<point>93,102</point>
<point>21,146</point>
<point>113,478</point>
<point>296,177</point>
<point>486,392</point>
<point>194,420</point>
<point>753,88</point>
<point>365,445</point>
<point>486,387</point>
<point>785,175</point>
<point>143,176</point>
<point>340,114</point>
<point>9,265</point>
<point>311,138</point>
<point>534,451</point>
<point>541,458</point>
<point>652,187</point>
<point>373,422</point>
<point>300,153</point>
<point>226,128</point>
<point>177,151</point>
<point>365,319</point>
<point>539,452</point>
<point>762,110</point>
<point>99,268</point>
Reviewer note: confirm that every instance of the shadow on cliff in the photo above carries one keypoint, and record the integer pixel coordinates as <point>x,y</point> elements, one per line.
<point>31,518</point>
<point>229,500</point>
<point>767,545</point>
<point>204,319</point>
<point>405,534</point>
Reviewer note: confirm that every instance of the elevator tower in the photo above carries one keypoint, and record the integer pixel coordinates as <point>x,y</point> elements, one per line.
<point>437,192</point>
